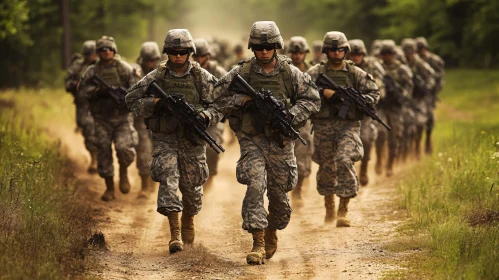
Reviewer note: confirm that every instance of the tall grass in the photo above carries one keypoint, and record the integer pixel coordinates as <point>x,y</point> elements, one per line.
<point>453,198</point>
<point>43,227</point>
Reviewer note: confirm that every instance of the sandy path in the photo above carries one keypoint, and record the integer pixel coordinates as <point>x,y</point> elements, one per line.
<point>138,236</point>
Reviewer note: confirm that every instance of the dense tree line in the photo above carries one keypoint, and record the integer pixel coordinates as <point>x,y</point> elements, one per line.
<point>463,32</point>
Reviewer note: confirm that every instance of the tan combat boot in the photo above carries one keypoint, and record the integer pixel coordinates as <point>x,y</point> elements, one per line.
<point>124,183</point>
<point>188,232</point>
<point>329,204</point>
<point>175,244</point>
<point>270,242</point>
<point>343,221</point>
<point>296,194</point>
<point>257,254</point>
<point>109,193</point>
<point>145,186</point>
<point>92,169</point>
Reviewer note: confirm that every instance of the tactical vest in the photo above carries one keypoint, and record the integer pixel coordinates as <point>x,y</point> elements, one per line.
<point>343,79</point>
<point>113,75</point>
<point>189,87</point>
<point>280,85</point>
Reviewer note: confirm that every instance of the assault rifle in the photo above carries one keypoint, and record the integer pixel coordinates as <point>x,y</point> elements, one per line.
<point>420,88</point>
<point>187,115</point>
<point>117,94</point>
<point>351,97</point>
<point>269,107</point>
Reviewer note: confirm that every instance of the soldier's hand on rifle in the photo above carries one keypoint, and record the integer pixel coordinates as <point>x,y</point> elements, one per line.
<point>246,99</point>
<point>328,93</point>
<point>156,100</point>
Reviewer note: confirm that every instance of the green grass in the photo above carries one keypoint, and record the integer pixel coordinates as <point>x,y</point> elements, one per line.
<point>43,227</point>
<point>453,198</point>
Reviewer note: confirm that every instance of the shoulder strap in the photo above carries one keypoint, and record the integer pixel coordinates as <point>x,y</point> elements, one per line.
<point>287,79</point>
<point>351,72</point>
<point>198,79</point>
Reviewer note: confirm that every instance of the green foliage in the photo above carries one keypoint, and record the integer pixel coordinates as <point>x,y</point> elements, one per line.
<point>43,228</point>
<point>454,190</point>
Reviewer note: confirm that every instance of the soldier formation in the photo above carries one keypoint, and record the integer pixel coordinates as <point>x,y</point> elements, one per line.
<point>268,100</point>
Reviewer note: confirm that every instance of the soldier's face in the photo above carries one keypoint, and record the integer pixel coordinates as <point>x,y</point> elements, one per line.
<point>264,55</point>
<point>356,58</point>
<point>106,54</point>
<point>410,55</point>
<point>92,56</point>
<point>298,57</point>
<point>178,56</point>
<point>388,58</point>
<point>151,64</point>
<point>201,59</point>
<point>336,55</point>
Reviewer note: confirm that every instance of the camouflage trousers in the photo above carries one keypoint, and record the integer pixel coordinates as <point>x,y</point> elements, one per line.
<point>394,119</point>
<point>304,153</point>
<point>144,146</point>
<point>177,164</point>
<point>430,108</point>
<point>85,121</point>
<point>120,131</point>
<point>368,134</point>
<point>215,131</point>
<point>337,147</point>
<point>264,166</point>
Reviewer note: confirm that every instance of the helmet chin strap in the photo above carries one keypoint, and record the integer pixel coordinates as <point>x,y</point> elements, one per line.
<point>274,56</point>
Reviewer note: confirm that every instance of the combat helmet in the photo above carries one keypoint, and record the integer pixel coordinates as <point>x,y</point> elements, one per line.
<point>265,33</point>
<point>334,40</point>
<point>408,45</point>
<point>357,47</point>
<point>298,44</point>
<point>149,51</point>
<point>317,46</point>
<point>88,47</point>
<point>179,38</point>
<point>422,43</point>
<point>202,47</point>
<point>106,41</point>
<point>388,46</point>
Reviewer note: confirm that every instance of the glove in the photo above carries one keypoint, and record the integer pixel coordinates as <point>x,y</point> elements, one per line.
<point>161,106</point>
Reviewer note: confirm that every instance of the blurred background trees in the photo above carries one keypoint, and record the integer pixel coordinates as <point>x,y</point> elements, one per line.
<point>463,32</point>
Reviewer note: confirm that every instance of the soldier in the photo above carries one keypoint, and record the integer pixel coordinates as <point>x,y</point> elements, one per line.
<point>84,119</point>
<point>267,160</point>
<point>147,61</point>
<point>203,57</point>
<point>112,123</point>
<point>298,48</point>
<point>438,65</point>
<point>318,56</point>
<point>368,128</point>
<point>397,90</point>
<point>375,48</point>
<point>337,144</point>
<point>179,157</point>
<point>424,84</point>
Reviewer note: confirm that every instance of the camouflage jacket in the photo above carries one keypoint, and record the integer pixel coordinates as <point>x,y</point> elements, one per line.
<point>75,71</point>
<point>142,103</point>
<point>364,82</point>
<point>438,65</point>
<point>372,66</point>
<point>307,100</point>
<point>306,66</point>
<point>87,90</point>
<point>422,69</point>
<point>402,76</point>
<point>215,69</point>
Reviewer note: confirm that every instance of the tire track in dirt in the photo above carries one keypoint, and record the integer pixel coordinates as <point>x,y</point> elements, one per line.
<point>138,236</point>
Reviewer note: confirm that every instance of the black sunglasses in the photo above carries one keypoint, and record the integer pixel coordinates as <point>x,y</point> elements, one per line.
<point>178,52</point>
<point>337,49</point>
<point>263,47</point>
<point>105,49</point>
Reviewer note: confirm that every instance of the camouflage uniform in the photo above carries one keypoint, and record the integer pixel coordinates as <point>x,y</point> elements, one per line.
<point>392,107</point>
<point>368,127</point>
<point>425,75</point>
<point>438,65</point>
<point>177,163</point>
<point>111,124</point>
<point>216,131</point>
<point>264,165</point>
<point>84,118</point>
<point>303,152</point>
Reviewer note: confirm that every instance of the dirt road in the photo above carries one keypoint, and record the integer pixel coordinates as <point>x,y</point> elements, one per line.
<point>137,236</point>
